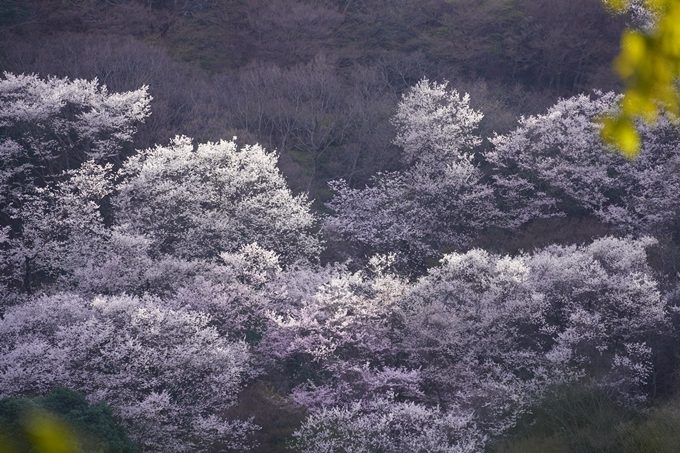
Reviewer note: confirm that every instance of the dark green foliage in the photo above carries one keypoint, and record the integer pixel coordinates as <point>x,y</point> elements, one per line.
<point>572,420</point>
<point>93,425</point>
<point>583,420</point>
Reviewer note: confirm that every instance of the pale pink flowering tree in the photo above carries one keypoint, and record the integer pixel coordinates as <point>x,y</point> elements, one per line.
<point>482,334</point>
<point>53,125</point>
<point>197,203</point>
<point>165,372</point>
<point>443,198</point>
<point>560,153</point>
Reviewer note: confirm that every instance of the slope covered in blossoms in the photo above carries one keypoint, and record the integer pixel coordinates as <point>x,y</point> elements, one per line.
<point>167,282</point>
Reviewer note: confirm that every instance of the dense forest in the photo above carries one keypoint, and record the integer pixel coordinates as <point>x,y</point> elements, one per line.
<point>332,226</point>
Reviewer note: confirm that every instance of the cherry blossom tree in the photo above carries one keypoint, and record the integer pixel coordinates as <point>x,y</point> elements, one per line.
<point>443,198</point>
<point>491,333</point>
<point>48,129</point>
<point>64,243</point>
<point>205,269</point>
<point>482,334</point>
<point>196,204</point>
<point>386,425</point>
<point>340,325</point>
<point>178,214</point>
<point>164,370</point>
<point>436,125</point>
<point>561,153</point>
<point>336,335</point>
<point>52,125</point>
<point>61,227</point>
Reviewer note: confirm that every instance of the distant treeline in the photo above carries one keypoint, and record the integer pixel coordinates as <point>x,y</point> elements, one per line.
<point>316,80</point>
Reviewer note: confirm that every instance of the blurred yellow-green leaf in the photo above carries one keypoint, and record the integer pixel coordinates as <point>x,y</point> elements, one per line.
<point>7,445</point>
<point>48,434</point>
<point>621,132</point>
<point>649,64</point>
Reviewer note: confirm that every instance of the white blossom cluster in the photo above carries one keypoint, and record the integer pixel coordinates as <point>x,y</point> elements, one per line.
<point>484,334</point>
<point>192,204</point>
<point>443,198</point>
<point>163,369</point>
<point>389,426</point>
<point>560,153</point>
<point>147,308</point>
<point>54,125</point>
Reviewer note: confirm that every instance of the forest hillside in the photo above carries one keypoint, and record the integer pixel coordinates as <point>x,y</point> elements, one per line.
<point>332,226</point>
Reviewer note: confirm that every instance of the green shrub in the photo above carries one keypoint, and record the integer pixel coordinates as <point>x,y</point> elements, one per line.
<point>575,419</point>
<point>658,433</point>
<point>65,420</point>
<point>582,420</point>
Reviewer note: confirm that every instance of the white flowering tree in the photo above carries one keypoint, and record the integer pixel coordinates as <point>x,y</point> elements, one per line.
<point>432,200</point>
<point>386,425</point>
<point>52,125</point>
<point>436,126</point>
<point>61,229</point>
<point>442,198</point>
<point>561,153</point>
<point>177,214</point>
<point>336,335</point>
<point>198,203</point>
<point>65,244</point>
<point>48,129</point>
<point>491,333</point>
<point>166,373</point>
<point>332,332</point>
<point>206,265</point>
